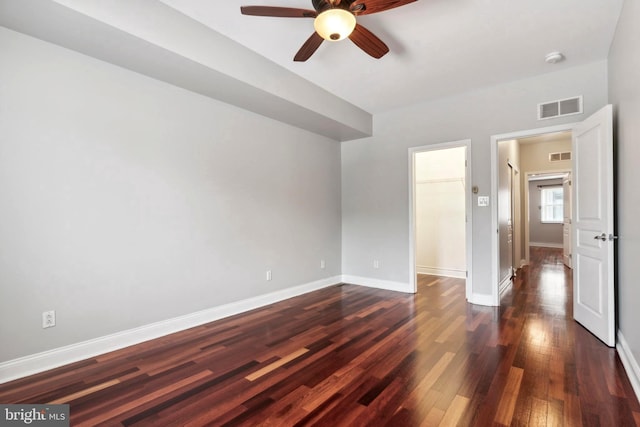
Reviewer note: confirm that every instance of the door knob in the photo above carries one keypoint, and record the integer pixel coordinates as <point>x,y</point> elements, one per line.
<point>612,237</point>
<point>602,237</point>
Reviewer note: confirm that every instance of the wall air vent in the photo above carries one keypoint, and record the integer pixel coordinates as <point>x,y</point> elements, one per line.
<point>556,157</point>
<point>561,107</point>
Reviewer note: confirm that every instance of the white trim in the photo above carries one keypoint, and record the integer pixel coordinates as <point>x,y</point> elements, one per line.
<point>527,225</point>
<point>546,175</point>
<point>436,271</point>
<point>546,245</point>
<point>523,263</point>
<point>35,363</point>
<point>482,299</point>
<point>629,362</point>
<point>468,210</point>
<point>378,283</point>
<point>504,285</point>
<point>495,259</point>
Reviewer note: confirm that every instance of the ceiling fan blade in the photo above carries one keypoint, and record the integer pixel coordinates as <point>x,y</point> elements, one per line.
<point>281,12</point>
<point>368,42</point>
<point>309,47</point>
<point>367,7</point>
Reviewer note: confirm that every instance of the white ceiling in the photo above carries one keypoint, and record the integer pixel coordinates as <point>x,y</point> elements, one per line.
<point>437,47</point>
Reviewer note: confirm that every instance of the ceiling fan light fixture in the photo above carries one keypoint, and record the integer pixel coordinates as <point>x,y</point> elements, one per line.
<point>335,24</point>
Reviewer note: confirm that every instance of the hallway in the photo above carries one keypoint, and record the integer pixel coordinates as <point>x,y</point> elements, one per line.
<point>566,376</point>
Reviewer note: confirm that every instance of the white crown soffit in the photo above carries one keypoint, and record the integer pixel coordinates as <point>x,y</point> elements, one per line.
<point>151,38</point>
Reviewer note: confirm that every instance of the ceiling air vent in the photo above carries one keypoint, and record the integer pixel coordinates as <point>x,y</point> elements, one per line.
<point>561,107</point>
<point>556,157</point>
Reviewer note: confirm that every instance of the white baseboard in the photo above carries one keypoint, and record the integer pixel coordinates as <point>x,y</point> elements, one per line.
<point>546,245</point>
<point>629,362</point>
<point>40,362</point>
<point>504,285</point>
<point>482,299</point>
<point>446,272</point>
<point>378,283</point>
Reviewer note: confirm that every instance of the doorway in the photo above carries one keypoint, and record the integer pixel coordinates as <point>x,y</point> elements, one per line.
<point>440,220</point>
<point>513,155</point>
<point>545,163</point>
<point>547,223</point>
<point>592,219</point>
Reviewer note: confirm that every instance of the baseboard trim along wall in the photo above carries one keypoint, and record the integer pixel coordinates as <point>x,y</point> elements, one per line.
<point>40,362</point>
<point>482,299</point>
<point>446,272</point>
<point>378,283</point>
<point>629,362</point>
<point>504,285</point>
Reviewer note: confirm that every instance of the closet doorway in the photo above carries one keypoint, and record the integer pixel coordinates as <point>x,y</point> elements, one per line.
<point>440,211</point>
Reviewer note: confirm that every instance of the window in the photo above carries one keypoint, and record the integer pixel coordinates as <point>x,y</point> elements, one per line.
<point>551,205</point>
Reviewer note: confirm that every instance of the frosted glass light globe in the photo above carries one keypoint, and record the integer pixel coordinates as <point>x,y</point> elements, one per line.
<point>335,24</point>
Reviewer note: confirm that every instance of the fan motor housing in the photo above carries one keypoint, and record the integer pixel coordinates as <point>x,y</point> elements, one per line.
<point>322,5</point>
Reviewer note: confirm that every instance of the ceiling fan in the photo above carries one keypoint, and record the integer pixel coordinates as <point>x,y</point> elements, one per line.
<point>334,20</point>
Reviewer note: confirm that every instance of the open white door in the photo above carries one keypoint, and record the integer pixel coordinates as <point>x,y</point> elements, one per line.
<point>593,248</point>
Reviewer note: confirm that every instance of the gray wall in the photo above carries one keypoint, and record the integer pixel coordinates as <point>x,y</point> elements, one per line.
<point>624,90</point>
<point>375,182</point>
<point>539,232</point>
<point>126,201</point>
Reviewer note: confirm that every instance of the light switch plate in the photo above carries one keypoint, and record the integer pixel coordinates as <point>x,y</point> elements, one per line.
<point>483,200</point>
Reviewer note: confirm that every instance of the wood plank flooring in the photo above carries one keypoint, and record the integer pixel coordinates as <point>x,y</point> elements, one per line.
<point>353,356</point>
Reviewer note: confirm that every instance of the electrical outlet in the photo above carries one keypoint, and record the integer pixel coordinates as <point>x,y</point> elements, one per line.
<point>321,263</point>
<point>268,274</point>
<point>48,319</point>
<point>376,263</point>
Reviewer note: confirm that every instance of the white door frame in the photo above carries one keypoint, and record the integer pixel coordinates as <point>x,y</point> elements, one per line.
<point>495,258</point>
<point>413,283</point>
<point>527,231</point>
<point>515,220</point>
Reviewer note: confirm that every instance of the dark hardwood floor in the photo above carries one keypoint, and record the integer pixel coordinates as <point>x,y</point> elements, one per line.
<point>353,356</point>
